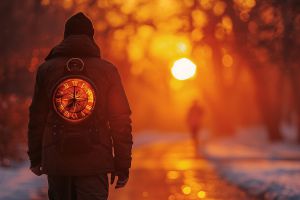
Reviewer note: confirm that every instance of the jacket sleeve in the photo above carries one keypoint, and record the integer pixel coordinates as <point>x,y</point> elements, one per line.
<point>38,112</point>
<point>119,121</point>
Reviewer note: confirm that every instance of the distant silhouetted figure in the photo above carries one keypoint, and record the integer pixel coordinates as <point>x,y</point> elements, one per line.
<point>79,125</point>
<point>194,117</point>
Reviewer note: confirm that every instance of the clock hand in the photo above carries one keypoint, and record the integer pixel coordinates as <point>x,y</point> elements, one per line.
<point>70,103</point>
<point>81,99</point>
<point>73,92</point>
<point>74,107</point>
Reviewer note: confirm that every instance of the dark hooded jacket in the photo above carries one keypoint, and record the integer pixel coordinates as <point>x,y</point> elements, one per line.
<point>115,140</point>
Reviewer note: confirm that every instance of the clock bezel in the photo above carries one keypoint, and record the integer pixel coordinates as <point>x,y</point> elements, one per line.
<point>92,88</point>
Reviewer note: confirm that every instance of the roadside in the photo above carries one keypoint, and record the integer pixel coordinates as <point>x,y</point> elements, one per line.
<point>266,170</point>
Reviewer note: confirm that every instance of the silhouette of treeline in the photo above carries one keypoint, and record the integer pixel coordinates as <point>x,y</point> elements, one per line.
<point>245,50</point>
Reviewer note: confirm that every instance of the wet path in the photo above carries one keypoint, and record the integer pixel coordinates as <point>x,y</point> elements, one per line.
<point>170,171</point>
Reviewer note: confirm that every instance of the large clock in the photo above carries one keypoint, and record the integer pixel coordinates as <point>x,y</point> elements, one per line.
<point>74,99</point>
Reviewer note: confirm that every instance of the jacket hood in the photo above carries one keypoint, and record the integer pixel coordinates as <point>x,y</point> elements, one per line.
<point>75,46</point>
<point>79,24</point>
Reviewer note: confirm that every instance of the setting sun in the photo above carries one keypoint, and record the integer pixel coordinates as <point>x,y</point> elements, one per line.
<point>183,69</point>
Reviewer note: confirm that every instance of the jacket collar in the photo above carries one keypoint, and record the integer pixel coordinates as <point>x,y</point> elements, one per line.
<point>75,46</point>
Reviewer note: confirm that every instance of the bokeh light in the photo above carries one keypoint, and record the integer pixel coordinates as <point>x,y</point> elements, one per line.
<point>172,175</point>
<point>227,60</point>
<point>201,194</point>
<point>186,190</point>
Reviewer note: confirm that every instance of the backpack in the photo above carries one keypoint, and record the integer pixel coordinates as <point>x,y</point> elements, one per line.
<point>74,101</point>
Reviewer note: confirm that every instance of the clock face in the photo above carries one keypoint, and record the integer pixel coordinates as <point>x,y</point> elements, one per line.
<point>74,99</point>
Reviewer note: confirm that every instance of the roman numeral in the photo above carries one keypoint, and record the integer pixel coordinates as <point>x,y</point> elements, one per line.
<point>61,107</point>
<point>74,116</point>
<point>89,92</point>
<point>66,113</point>
<point>88,107</point>
<point>75,83</point>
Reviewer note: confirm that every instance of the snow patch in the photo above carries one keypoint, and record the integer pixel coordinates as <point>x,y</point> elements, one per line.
<point>19,183</point>
<point>267,170</point>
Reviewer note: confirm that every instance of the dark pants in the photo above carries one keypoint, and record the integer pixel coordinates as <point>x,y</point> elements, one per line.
<point>194,130</point>
<point>78,187</point>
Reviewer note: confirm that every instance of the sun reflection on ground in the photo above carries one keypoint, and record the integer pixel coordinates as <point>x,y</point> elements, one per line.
<point>173,175</point>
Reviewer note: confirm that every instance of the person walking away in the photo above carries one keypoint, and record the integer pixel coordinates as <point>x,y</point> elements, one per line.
<point>79,123</point>
<point>193,119</point>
